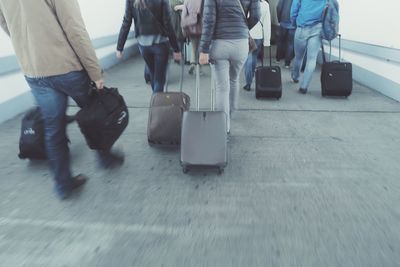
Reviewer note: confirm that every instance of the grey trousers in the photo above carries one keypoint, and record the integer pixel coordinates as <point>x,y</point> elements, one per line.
<point>228,58</point>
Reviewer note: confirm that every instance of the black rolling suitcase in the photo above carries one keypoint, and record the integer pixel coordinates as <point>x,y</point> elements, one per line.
<point>204,136</point>
<point>336,76</point>
<point>104,119</point>
<point>268,80</point>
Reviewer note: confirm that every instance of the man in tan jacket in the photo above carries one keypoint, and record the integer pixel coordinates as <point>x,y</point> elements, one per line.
<point>58,60</point>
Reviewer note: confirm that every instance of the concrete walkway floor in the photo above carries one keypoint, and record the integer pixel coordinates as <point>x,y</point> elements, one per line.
<point>311,181</point>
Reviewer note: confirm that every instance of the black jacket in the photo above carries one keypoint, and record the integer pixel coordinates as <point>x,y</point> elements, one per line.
<point>154,19</point>
<point>283,11</point>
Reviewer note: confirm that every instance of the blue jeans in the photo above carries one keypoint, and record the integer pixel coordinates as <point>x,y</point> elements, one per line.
<point>251,63</point>
<point>156,58</point>
<point>306,39</point>
<point>51,94</point>
<point>285,45</point>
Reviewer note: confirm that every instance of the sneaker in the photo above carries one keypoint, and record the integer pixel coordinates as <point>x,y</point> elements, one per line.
<point>287,66</point>
<point>75,183</point>
<point>109,160</point>
<point>247,87</point>
<point>277,61</point>
<point>303,90</point>
<point>295,81</point>
<point>192,69</point>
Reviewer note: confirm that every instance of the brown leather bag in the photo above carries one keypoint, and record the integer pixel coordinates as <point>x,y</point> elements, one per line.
<point>165,117</point>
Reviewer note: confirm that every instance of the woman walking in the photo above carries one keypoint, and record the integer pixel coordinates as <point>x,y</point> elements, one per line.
<point>154,32</point>
<point>224,42</point>
<point>261,33</point>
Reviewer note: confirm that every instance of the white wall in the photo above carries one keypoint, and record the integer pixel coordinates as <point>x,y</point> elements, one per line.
<point>371,21</point>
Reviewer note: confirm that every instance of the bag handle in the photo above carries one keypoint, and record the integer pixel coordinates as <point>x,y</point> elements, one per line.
<point>330,50</point>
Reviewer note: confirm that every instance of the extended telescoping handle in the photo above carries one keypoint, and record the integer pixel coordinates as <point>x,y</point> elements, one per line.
<point>330,50</point>
<point>270,58</point>
<point>198,88</point>
<point>183,49</point>
<point>182,65</point>
<point>340,46</point>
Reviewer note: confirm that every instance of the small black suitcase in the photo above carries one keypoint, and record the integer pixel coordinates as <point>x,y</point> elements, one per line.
<point>336,76</point>
<point>268,80</point>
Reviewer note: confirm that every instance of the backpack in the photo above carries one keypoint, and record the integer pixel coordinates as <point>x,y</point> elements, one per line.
<point>31,142</point>
<point>191,21</point>
<point>330,20</point>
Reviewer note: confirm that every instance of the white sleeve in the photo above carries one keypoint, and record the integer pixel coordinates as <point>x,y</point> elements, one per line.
<point>267,25</point>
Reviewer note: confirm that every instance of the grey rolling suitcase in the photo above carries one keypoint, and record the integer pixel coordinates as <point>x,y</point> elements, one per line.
<point>165,115</point>
<point>204,135</point>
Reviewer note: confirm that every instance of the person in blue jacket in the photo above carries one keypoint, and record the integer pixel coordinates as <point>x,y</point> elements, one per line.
<point>306,15</point>
<point>285,44</point>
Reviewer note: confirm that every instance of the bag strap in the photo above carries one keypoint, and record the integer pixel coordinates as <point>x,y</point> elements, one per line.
<point>325,11</point>
<point>244,15</point>
<point>156,20</point>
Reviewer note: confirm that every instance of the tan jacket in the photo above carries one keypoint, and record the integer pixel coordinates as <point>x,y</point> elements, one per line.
<point>49,37</point>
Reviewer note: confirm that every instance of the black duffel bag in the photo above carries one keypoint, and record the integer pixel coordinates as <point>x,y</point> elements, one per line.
<point>31,141</point>
<point>104,119</point>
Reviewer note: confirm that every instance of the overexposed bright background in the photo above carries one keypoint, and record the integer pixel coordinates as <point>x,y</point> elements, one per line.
<point>371,21</point>
<point>102,18</point>
<point>367,21</point>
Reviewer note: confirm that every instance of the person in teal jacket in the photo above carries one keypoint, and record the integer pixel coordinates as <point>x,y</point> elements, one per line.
<point>306,15</point>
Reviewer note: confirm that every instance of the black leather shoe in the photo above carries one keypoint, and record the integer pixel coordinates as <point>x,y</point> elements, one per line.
<point>303,91</point>
<point>246,87</point>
